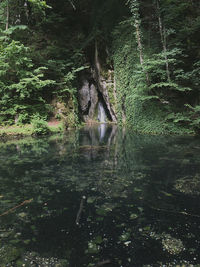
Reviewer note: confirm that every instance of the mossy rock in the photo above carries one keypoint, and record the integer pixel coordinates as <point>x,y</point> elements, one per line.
<point>8,254</point>
<point>66,111</point>
<point>172,245</point>
<point>34,259</point>
<point>188,185</point>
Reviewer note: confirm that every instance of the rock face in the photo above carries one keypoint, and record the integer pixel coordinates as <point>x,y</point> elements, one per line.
<point>106,85</point>
<point>97,88</point>
<point>88,98</point>
<point>94,101</point>
<point>65,111</point>
<point>94,90</point>
<point>107,89</point>
<point>84,96</point>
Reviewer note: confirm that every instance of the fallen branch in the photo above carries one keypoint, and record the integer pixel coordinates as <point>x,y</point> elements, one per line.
<point>175,212</point>
<point>103,263</point>
<point>72,4</point>
<point>14,208</point>
<point>80,210</point>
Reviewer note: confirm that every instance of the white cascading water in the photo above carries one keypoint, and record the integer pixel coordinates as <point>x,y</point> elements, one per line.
<point>101,113</point>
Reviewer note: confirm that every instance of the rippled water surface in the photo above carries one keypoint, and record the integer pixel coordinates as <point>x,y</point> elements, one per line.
<point>100,196</point>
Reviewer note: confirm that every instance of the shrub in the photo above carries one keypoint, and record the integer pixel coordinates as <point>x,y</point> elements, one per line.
<point>40,126</point>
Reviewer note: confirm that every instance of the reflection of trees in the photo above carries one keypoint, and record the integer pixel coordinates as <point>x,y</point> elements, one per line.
<point>120,189</point>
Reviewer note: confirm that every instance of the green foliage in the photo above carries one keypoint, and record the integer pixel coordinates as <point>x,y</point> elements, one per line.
<point>134,8</point>
<point>66,85</point>
<point>39,3</point>
<point>39,7</point>
<point>131,85</point>
<point>40,126</point>
<point>147,98</point>
<point>22,84</point>
<point>47,43</point>
<point>13,29</point>
<point>66,93</point>
<point>9,254</point>
<point>189,118</point>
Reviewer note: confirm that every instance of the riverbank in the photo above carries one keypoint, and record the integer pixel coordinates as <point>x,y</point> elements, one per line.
<point>15,131</point>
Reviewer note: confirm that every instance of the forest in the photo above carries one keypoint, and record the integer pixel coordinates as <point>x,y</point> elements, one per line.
<point>138,61</point>
<point>107,94</point>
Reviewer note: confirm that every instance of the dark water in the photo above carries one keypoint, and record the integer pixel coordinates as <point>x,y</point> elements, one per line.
<point>100,197</point>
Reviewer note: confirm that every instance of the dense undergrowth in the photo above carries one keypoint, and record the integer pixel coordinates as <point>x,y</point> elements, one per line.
<point>156,79</point>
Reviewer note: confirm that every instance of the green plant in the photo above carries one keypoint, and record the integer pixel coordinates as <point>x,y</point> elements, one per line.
<point>40,126</point>
<point>21,83</point>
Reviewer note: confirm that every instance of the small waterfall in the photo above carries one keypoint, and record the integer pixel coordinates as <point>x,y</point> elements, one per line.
<point>101,113</point>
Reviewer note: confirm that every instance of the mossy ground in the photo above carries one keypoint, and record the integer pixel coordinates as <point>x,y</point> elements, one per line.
<point>16,131</point>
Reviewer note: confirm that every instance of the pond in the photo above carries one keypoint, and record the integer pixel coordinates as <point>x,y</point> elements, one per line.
<point>100,196</point>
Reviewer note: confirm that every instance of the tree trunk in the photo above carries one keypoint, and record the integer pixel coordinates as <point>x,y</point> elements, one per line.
<point>7,15</point>
<point>97,63</point>
<point>165,53</point>
<point>163,40</point>
<point>72,4</point>
<point>138,36</point>
<point>134,7</point>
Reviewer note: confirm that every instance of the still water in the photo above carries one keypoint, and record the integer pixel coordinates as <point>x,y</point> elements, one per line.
<point>100,196</point>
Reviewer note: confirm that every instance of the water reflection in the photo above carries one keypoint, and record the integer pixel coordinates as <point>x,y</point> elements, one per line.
<point>102,131</point>
<point>102,134</point>
<point>111,197</point>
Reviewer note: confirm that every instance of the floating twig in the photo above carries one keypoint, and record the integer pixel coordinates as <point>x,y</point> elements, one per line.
<point>14,208</point>
<point>80,210</point>
<point>176,212</point>
<point>102,263</point>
